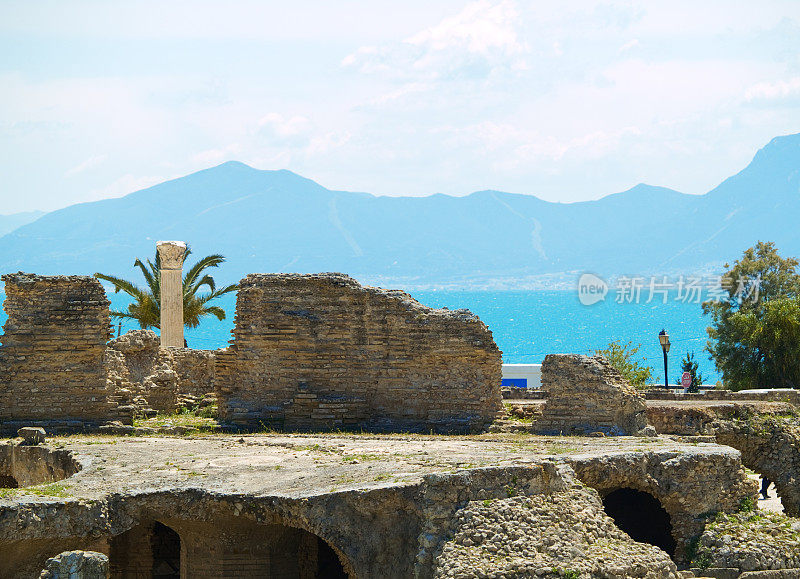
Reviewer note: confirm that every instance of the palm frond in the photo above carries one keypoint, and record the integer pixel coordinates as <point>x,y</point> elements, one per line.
<point>121,285</point>
<point>215,311</point>
<point>194,272</point>
<point>152,278</point>
<point>123,315</point>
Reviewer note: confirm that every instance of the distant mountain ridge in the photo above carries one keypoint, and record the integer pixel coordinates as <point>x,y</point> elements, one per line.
<point>12,221</point>
<point>267,221</point>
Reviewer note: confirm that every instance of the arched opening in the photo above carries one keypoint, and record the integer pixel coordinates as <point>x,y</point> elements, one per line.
<point>313,557</point>
<point>146,550</point>
<point>166,546</point>
<point>328,564</point>
<point>769,498</point>
<point>641,515</point>
<point>8,482</point>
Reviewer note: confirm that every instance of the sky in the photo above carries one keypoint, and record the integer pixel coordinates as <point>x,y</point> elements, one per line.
<point>568,101</point>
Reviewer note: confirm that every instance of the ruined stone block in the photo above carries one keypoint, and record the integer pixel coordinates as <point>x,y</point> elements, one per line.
<point>585,394</point>
<point>76,565</point>
<point>32,435</point>
<point>306,341</point>
<point>154,377</point>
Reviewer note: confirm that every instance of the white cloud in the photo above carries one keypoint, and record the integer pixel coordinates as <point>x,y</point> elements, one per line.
<point>327,142</point>
<point>779,90</point>
<point>216,156</point>
<point>481,28</point>
<point>92,161</point>
<point>482,39</point>
<point>630,45</point>
<point>275,125</point>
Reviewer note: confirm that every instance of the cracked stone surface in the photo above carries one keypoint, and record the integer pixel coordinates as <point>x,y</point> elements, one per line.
<point>381,501</point>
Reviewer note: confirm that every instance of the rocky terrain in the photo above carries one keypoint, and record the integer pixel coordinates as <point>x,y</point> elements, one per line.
<point>750,541</point>
<point>561,535</point>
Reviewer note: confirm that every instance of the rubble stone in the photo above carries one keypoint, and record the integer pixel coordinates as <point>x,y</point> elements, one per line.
<point>585,394</point>
<point>161,379</point>
<point>76,565</point>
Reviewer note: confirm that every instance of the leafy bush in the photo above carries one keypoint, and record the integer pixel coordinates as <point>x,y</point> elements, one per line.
<point>622,357</point>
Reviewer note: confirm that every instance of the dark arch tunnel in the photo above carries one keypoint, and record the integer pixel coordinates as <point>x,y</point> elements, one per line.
<point>150,550</point>
<point>166,547</point>
<point>641,515</point>
<point>156,550</point>
<point>328,564</point>
<point>8,482</point>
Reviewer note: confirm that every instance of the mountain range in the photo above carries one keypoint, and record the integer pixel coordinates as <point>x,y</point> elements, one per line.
<point>266,221</point>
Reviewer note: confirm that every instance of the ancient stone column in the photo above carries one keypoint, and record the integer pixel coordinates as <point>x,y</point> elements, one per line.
<point>171,254</point>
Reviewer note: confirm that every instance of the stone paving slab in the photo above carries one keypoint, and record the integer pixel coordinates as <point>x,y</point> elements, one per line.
<point>303,465</point>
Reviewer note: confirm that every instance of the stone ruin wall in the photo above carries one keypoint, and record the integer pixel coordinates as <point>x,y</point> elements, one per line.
<point>155,378</point>
<point>585,394</point>
<point>51,358</point>
<point>321,352</point>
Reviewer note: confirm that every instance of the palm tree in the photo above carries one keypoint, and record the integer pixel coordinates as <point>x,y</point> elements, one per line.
<point>146,307</point>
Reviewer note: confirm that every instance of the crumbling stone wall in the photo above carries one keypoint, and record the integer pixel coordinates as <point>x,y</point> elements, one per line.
<point>752,541</point>
<point>321,351</point>
<point>397,527</point>
<point>51,359</point>
<point>768,437</point>
<point>76,565</point>
<point>771,447</point>
<point>156,378</point>
<point>688,485</point>
<point>585,394</point>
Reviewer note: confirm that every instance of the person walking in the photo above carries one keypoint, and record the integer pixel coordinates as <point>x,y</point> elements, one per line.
<point>765,482</point>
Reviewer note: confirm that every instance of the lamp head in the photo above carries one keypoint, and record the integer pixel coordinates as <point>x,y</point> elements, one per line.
<point>663,339</point>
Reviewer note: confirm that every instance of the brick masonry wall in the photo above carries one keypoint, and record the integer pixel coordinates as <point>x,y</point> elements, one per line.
<point>321,351</point>
<point>51,358</point>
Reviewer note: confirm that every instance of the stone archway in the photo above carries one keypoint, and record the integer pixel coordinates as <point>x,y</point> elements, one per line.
<point>229,546</point>
<point>642,516</point>
<point>771,449</point>
<point>316,558</point>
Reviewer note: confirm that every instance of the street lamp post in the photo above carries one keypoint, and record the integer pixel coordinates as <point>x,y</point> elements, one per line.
<point>663,338</point>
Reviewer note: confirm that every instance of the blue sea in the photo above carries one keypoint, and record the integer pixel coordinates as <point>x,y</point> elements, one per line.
<point>527,325</point>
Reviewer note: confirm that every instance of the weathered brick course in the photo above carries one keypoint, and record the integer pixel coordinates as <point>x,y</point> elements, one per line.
<point>51,359</point>
<point>321,352</point>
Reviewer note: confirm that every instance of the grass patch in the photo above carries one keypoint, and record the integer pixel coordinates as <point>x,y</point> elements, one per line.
<point>184,419</point>
<point>56,490</point>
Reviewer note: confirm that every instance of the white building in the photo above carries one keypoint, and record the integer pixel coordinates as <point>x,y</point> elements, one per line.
<point>522,375</point>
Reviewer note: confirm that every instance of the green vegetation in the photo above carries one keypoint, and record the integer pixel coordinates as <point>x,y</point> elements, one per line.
<point>697,555</point>
<point>55,490</point>
<point>623,358</point>
<point>747,505</point>
<point>755,332</point>
<point>203,420</point>
<point>146,307</point>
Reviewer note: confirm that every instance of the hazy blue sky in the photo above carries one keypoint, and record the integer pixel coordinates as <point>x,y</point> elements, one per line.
<point>564,100</point>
